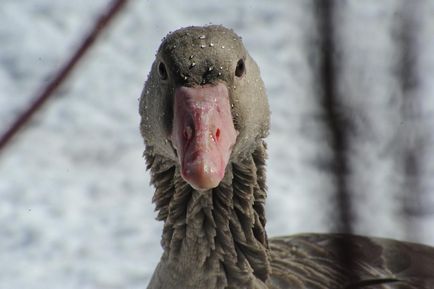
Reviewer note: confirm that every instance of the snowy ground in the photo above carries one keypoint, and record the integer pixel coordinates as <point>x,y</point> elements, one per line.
<point>75,209</point>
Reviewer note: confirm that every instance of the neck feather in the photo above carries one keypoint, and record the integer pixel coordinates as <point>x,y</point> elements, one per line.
<point>221,230</point>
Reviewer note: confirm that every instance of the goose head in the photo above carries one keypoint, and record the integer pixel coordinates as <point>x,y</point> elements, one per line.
<point>204,103</point>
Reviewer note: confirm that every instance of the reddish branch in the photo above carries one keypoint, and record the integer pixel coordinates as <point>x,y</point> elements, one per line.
<point>47,91</point>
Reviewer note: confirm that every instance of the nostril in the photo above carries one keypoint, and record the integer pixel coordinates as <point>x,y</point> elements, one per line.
<point>188,133</point>
<point>217,134</point>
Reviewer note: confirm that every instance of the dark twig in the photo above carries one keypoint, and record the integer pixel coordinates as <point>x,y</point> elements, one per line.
<point>333,117</point>
<point>413,142</point>
<point>330,100</point>
<point>63,73</point>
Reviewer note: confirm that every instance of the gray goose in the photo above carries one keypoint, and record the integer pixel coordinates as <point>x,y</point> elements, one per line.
<point>204,117</point>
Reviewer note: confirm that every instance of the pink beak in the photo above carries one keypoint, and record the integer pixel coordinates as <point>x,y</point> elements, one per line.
<point>203,133</point>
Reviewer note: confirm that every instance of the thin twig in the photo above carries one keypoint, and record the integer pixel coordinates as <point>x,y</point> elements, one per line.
<point>413,141</point>
<point>334,118</point>
<point>48,90</point>
<point>326,14</point>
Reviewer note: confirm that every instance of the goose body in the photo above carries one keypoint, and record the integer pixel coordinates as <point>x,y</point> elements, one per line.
<point>204,116</point>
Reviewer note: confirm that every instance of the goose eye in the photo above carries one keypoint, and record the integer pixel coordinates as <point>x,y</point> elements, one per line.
<point>240,69</point>
<point>162,72</point>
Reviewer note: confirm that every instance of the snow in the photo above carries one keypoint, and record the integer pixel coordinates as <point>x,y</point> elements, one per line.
<point>75,208</point>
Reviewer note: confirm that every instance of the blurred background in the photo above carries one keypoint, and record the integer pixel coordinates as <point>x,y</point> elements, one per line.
<point>75,200</point>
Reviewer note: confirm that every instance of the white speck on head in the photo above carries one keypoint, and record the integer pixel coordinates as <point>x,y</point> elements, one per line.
<point>202,37</point>
<point>202,46</point>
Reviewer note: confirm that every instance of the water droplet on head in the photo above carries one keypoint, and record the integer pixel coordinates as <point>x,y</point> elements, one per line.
<point>193,64</point>
<point>210,68</point>
<point>191,56</point>
<point>223,46</point>
<point>202,46</point>
<point>202,37</point>
<point>211,44</point>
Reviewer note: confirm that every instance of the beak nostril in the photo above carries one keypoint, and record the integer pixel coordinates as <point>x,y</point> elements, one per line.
<point>217,134</point>
<point>188,133</point>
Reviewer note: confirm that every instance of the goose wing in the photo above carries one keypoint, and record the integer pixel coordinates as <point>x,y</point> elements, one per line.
<point>342,261</point>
